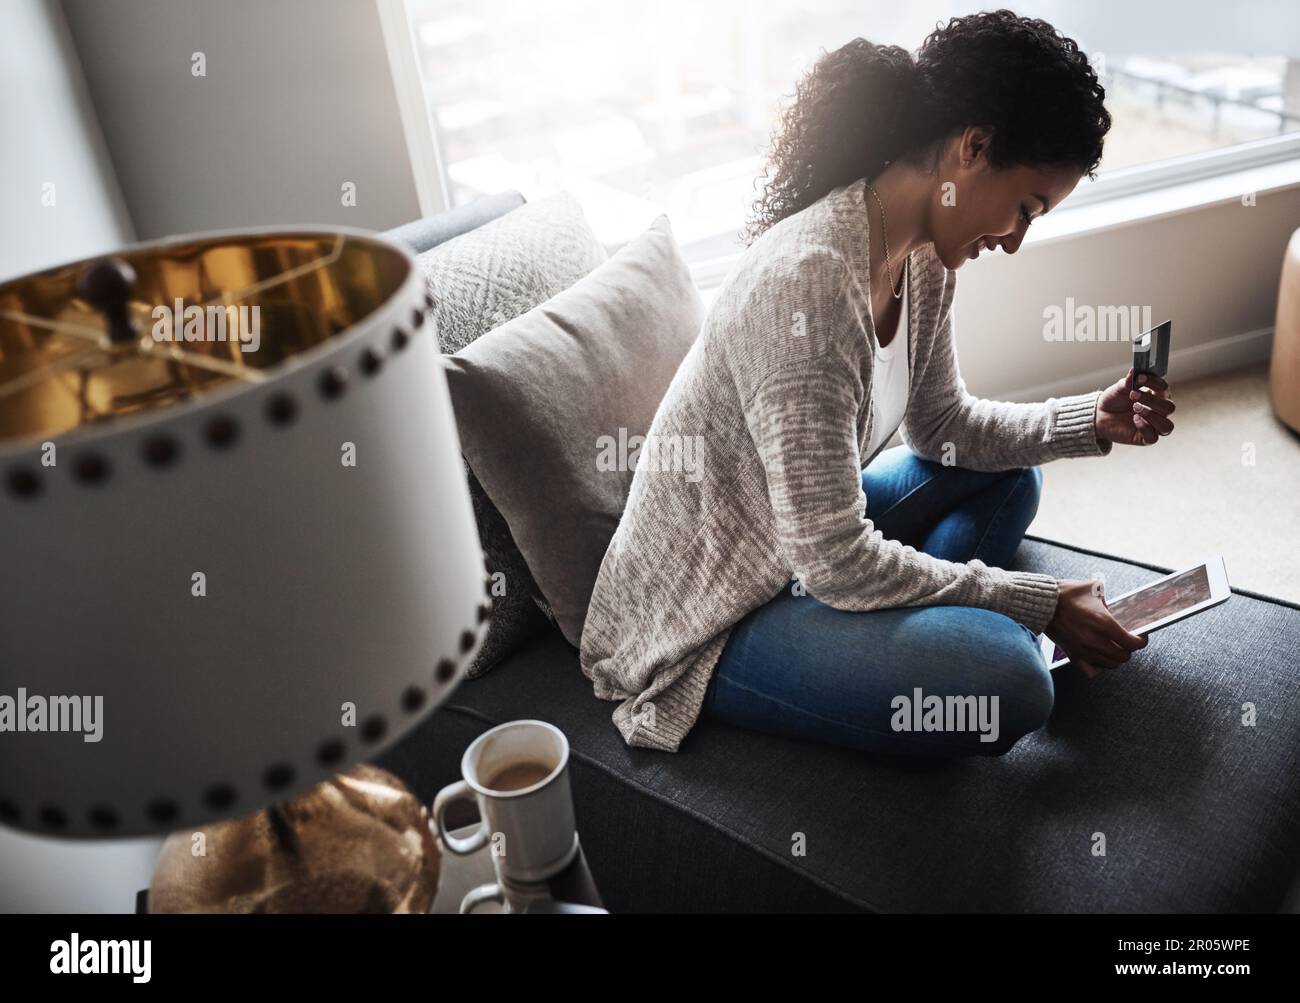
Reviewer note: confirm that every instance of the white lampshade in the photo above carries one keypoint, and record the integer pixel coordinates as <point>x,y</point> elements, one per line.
<point>339,603</point>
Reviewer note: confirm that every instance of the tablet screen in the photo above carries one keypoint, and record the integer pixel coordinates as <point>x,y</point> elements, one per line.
<point>1162,599</point>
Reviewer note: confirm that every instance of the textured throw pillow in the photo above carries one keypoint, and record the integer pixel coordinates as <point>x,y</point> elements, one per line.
<point>479,280</point>
<point>504,268</point>
<point>539,394</point>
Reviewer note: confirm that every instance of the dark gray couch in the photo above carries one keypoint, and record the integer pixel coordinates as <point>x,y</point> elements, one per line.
<point>1199,813</point>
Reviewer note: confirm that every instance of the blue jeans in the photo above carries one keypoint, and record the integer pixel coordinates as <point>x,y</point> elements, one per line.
<point>799,668</point>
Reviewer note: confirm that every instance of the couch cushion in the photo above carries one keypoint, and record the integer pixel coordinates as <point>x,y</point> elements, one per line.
<point>1199,812</point>
<point>427,233</point>
<point>552,407</point>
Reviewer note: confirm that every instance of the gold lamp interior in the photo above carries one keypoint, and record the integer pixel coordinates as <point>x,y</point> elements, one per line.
<point>194,324</point>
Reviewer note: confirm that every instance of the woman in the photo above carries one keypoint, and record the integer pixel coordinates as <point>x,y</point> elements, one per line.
<point>786,588</point>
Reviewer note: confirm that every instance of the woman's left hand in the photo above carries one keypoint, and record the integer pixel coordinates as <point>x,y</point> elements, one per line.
<point>1138,417</point>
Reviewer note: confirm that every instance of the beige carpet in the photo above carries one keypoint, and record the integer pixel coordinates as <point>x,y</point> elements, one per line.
<point>1194,493</point>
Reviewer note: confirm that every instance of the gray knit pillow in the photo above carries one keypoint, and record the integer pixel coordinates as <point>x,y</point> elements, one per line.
<point>541,394</point>
<point>480,280</point>
<point>504,268</point>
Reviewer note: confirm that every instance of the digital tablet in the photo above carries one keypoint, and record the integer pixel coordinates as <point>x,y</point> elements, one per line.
<point>1160,603</point>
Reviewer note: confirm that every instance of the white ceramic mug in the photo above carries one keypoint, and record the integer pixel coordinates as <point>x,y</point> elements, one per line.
<point>531,829</point>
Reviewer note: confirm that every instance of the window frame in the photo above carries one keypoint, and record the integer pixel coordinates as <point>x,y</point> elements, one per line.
<point>1141,178</point>
<point>427,158</point>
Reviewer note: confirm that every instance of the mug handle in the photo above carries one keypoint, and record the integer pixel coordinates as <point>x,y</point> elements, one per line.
<point>463,846</point>
<point>483,893</point>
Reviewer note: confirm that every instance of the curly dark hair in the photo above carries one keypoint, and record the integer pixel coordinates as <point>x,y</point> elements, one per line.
<point>865,105</point>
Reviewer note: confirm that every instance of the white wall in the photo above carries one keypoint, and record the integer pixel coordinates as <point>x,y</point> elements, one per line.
<point>1214,271</point>
<point>48,136</point>
<point>298,98</point>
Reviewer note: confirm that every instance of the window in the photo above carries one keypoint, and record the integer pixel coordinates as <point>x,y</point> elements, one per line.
<point>669,105</point>
<point>1170,107</point>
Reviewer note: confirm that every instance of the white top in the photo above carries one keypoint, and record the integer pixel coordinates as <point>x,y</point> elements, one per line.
<point>891,378</point>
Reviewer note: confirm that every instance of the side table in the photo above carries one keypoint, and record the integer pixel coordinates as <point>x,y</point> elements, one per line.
<point>460,875</point>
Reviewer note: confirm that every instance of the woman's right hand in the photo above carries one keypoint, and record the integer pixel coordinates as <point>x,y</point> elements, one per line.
<point>1087,632</point>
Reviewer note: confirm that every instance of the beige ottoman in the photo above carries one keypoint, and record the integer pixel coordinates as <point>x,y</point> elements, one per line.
<point>1284,369</point>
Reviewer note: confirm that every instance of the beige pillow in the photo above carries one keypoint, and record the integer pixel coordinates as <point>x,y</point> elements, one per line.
<point>480,280</point>
<point>534,397</point>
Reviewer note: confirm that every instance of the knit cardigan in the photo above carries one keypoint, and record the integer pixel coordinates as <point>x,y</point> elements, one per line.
<point>773,401</point>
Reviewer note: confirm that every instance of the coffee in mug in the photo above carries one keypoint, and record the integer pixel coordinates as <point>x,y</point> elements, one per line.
<point>518,775</point>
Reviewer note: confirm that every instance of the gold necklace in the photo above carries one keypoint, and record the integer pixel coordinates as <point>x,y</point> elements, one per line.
<point>884,233</point>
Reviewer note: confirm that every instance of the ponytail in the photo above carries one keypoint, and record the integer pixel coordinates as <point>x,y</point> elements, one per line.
<point>864,106</point>
<point>858,109</point>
